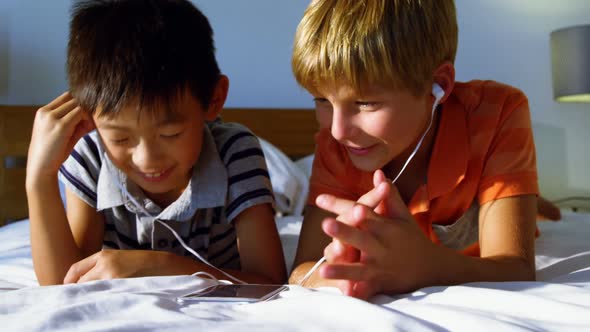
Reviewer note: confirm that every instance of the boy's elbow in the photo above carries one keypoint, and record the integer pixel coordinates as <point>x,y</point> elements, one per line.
<point>278,277</point>
<point>279,280</point>
<point>530,273</point>
<point>294,279</point>
<point>45,280</point>
<point>523,270</point>
<point>298,273</point>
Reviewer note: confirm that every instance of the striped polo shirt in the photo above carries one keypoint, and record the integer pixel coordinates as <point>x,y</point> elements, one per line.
<point>483,151</point>
<point>229,177</point>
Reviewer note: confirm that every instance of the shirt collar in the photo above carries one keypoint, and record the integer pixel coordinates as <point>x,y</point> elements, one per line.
<point>450,155</point>
<point>207,187</point>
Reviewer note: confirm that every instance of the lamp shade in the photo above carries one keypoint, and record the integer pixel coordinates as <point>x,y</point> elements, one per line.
<point>570,63</point>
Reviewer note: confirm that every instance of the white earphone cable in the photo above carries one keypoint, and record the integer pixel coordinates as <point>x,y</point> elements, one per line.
<point>180,240</point>
<point>438,94</point>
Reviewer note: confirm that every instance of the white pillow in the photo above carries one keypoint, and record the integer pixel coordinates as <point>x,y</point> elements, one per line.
<point>305,164</point>
<point>289,182</point>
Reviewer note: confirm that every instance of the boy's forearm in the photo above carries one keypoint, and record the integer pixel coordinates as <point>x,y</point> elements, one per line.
<point>167,263</point>
<point>451,268</point>
<point>52,243</point>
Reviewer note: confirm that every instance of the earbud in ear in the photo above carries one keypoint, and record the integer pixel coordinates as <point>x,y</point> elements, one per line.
<point>437,92</point>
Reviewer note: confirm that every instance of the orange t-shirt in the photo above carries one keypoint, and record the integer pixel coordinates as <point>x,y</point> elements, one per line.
<point>483,151</point>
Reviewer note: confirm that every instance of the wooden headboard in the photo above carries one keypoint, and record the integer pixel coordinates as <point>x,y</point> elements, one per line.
<point>291,130</point>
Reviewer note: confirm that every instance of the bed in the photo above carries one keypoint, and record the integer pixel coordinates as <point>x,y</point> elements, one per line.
<point>559,300</point>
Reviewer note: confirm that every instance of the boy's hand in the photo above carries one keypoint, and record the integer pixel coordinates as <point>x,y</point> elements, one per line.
<point>57,128</point>
<point>110,264</point>
<point>393,250</point>
<point>374,199</point>
<point>338,252</point>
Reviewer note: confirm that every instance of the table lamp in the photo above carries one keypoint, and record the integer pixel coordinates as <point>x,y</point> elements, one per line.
<point>570,62</point>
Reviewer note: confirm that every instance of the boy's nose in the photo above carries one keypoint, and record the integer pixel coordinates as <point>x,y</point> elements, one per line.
<point>342,125</point>
<point>146,156</point>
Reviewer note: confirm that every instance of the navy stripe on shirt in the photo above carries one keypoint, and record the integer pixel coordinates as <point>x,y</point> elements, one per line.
<point>231,141</point>
<point>82,162</point>
<point>216,219</point>
<point>245,197</point>
<point>222,251</point>
<point>244,154</point>
<point>231,259</point>
<point>201,251</point>
<point>247,175</point>
<point>78,184</point>
<point>221,236</point>
<point>110,244</point>
<point>198,231</point>
<point>125,239</point>
<point>93,148</point>
<point>192,235</point>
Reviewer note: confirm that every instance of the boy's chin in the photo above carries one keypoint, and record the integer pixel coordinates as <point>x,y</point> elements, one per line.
<point>164,187</point>
<point>365,164</point>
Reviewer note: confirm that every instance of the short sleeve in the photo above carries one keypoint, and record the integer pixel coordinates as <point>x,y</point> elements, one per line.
<point>510,165</point>
<point>248,179</point>
<point>80,171</point>
<point>333,173</point>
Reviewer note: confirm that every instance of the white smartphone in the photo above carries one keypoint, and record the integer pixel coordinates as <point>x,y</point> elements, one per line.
<point>234,293</point>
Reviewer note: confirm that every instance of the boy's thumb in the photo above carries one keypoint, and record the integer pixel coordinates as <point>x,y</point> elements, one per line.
<point>395,206</point>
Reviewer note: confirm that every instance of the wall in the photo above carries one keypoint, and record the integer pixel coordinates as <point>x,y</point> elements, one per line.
<point>508,40</point>
<point>505,40</point>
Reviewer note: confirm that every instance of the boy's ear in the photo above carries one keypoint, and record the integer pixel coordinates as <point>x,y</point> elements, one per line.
<point>218,98</point>
<point>444,75</point>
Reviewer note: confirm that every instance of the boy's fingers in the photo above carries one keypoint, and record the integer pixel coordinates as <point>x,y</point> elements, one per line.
<point>378,177</point>
<point>342,207</point>
<point>363,290</point>
<point>357,238</point>
<point>395,206</point>
<point>346,287</point>
<point>337,252</point>
<point>79,269</point>
<point>352,272</point>
<point>57,102</point>
<point>65,109</point>
<point>74,117</point>
<point>375,196</point>
<point>91,275</point>
<point>84,126</point>
<point>338,206</point>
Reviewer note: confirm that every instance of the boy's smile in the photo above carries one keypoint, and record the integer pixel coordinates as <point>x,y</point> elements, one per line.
<point>359,151</point>
<point>156,176</point>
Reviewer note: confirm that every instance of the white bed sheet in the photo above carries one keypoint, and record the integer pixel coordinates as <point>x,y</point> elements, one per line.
<point>558,301</point>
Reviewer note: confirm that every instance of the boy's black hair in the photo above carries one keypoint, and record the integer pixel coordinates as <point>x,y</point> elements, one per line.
<point>142,52</point>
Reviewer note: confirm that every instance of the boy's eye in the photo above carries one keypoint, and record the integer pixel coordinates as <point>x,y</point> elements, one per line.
<point>120,140</point>
<point>368,105</point>
<point>171,135</point>
<point>321,102</point>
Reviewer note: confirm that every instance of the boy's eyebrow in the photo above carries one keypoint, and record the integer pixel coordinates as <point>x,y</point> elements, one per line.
<point>112,126</point>
<point>171,118</point>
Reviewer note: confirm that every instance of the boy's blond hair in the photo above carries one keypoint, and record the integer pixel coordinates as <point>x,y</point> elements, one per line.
<point>397,43</point>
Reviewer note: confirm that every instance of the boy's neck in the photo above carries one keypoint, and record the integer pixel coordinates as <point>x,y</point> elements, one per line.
<point>416,172</point>
<point>163,200</point>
